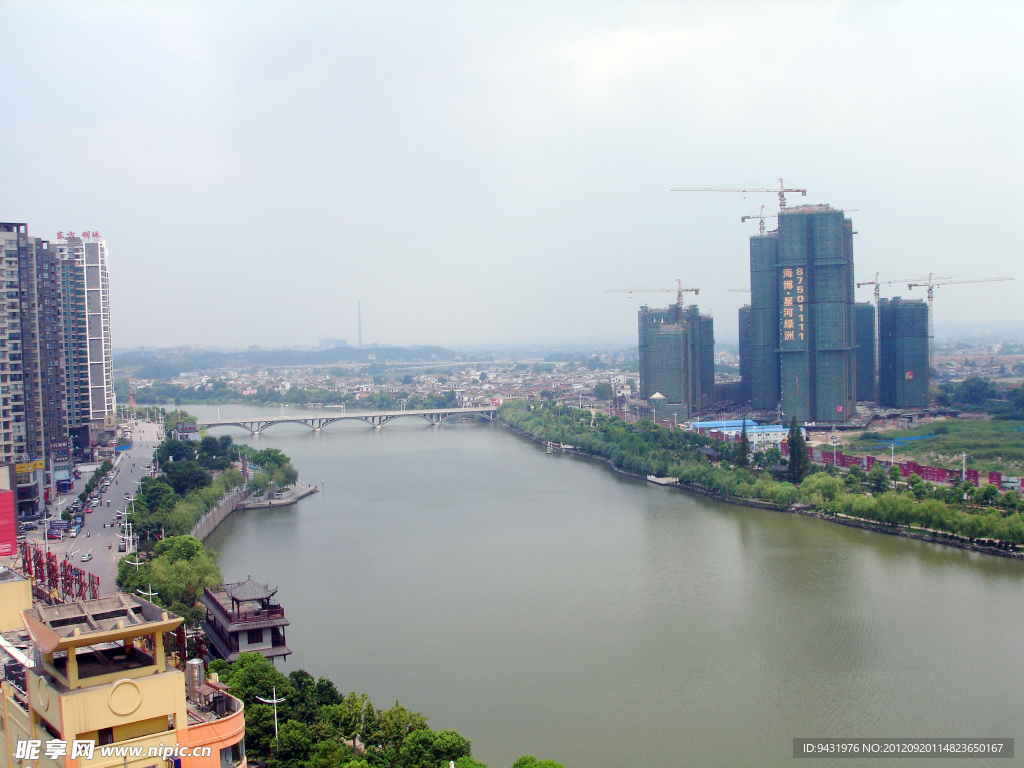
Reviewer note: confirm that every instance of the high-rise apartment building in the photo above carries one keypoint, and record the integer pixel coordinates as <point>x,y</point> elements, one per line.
<point>864,322</point>
<point>56,365</point>
<point>763,342</point>
<point>31,302</point>
<point>88,352</point>
<point>903,353</point>
<point>677,357</point>
<point>802,318</point>
<point>746,351</point>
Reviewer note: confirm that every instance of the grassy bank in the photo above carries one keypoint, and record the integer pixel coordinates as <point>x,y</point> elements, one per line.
<point>996,446</point>
<point>643,448</point>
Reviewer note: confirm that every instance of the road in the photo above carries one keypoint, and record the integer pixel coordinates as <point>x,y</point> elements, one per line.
<point>96,538</point>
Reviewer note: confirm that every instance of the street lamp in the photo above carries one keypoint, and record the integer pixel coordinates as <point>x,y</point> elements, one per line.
<point>275,701</point>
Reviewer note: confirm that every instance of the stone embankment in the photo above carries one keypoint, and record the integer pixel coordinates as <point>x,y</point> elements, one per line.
<point>798,509</point>
<point>208,522</point>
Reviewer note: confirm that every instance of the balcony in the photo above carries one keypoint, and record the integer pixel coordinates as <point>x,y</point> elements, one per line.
<point>240,617</point>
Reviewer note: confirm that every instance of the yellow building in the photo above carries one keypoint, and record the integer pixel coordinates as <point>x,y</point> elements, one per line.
<point>15,596</point>
<point>105,681</point>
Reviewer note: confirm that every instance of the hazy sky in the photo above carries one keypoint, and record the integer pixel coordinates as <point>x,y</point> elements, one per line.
<point>481,172</point>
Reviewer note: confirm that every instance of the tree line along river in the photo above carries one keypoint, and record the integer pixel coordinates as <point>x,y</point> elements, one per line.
<point>546,605</point>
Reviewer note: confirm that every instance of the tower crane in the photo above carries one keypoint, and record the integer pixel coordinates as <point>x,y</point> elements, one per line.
<point>679,291</point>
<point>781,191</point>
<point>761,216</point>
<point>931,282</point>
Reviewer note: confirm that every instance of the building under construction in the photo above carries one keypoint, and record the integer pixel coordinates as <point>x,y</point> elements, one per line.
<point>745,351</point>
<point>802,337</point>
<point>864,322</point>
<point>903,353</point>
<point>677,358</point>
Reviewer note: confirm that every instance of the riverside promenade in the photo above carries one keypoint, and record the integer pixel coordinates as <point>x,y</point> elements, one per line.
<point>280,499</point>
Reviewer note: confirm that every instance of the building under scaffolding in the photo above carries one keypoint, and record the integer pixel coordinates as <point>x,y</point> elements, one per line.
<point>802,342</point>
<point>677,358</point>
<point>903,353</point>
<point>745,351</point>
<point>864,314</point>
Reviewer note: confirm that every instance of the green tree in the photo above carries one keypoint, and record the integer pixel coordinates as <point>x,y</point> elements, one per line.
<point>185,476</point>
<point>603,391</point>
<point>743,448</point>
<point>259,482</point>
<point>181,568</point>
<point>878,479</point>
<point>529,761</point>
<point>798,465</point>
<point>393,725</point>
<point>294,744</point>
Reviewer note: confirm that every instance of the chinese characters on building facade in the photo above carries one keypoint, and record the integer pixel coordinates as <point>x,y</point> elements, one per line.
<point>793,310</point>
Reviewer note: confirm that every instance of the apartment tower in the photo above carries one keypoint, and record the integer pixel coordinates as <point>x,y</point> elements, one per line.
<point>677,358</point>
<point>88,352</point>
<point>802,319</point>
<point>903,353</point>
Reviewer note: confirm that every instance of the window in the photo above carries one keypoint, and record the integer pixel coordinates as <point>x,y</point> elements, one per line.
<point>255,636</point>
<point>233,755</point>
<point>105,736</point>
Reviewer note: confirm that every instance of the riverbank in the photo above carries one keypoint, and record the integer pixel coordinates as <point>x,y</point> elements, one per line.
<point>799,509</point>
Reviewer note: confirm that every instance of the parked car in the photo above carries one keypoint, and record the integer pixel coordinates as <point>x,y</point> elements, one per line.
<point>53,535</point>
<point>29,527</point>
<point>88,510</point>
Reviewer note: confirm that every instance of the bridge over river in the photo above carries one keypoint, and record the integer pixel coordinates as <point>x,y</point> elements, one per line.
<point>375,418</point>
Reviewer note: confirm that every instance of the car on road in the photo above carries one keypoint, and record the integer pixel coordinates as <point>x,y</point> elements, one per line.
<point>87,557</point>
<point>121,547</point>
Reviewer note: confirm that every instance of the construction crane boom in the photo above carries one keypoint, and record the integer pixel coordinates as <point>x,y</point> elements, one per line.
<point>761,216</point>
<point>931,282</point>
<point>679,291</point>
<point>781,191</point>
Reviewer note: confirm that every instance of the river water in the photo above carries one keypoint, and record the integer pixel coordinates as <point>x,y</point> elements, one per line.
<point>545,605</point>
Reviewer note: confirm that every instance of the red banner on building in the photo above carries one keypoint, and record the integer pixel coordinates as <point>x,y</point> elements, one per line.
<point>8,524</point>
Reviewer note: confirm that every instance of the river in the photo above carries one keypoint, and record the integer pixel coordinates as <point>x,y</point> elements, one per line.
<point>545,605</point>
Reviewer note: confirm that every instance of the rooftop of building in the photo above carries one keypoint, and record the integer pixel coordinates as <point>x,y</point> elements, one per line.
<point>809,208</point>
<point>6,574</point>
<point>247,603</point>
<point>90,622</point>
<point>731,424</point>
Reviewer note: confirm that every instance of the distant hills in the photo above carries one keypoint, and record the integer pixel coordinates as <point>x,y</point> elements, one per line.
<point>170,363</point>
<point>980,331</point>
